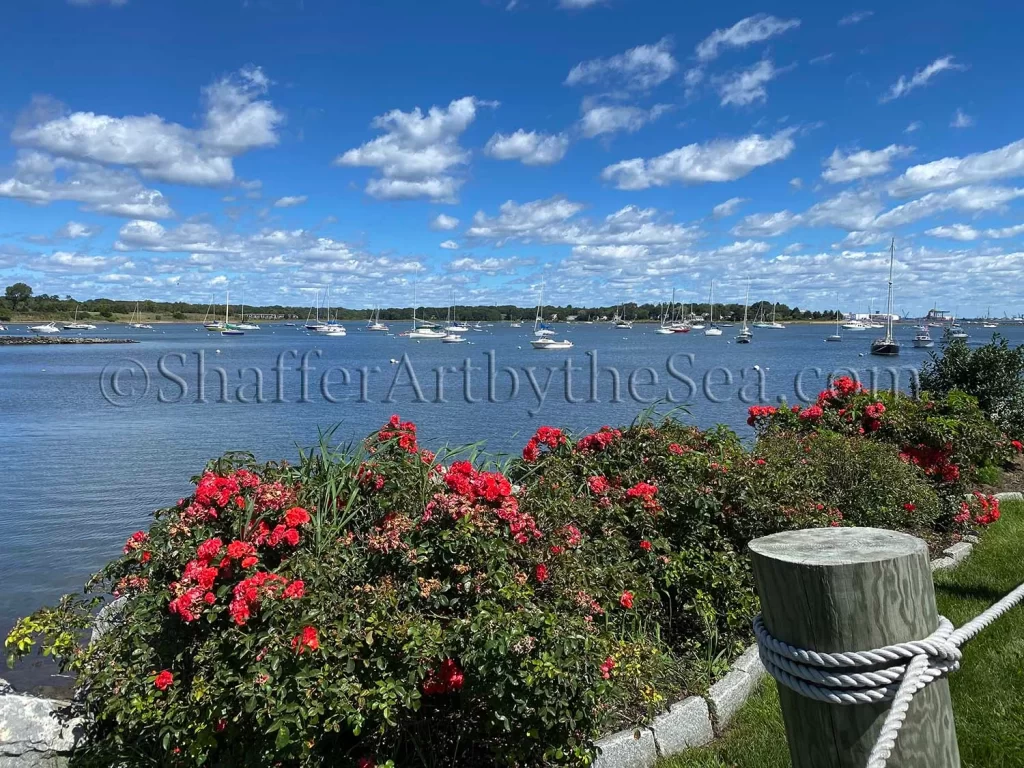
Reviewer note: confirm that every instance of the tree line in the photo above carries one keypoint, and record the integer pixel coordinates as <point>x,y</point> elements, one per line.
<point>20,299</point>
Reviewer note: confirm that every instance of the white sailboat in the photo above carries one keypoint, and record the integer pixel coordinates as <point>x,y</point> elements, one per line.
<point>374,323</point>
<point>666,317</point>
<point>77,326</point>
<point>330,327</point>
<point>229,329</point>
<point>242,325</point>
<point>888,346</point>
<point>422,332</point>
<point>620,320</point>
<point>712,329</point>
<point>135,320</point>
<point>745,335</point>
<point>452,325</point>
<point>988,320</point>
<point>544,340</point>
<point>211,325</point>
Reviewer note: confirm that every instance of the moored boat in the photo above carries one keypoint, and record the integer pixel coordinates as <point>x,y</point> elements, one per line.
<point>887,346</point>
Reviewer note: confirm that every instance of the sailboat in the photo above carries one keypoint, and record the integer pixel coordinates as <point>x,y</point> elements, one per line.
<point>988,320</point>
<point>229,329</point>
<point>211,325</point>
<point>621,321</point>
<point>422,332</point>
<point>242,325</point>
<point>712,329</point>
<point>836,336</point>
<point>374,323</point>
<point>314,324</point>
<point>135,320</point>
<point>330,327</point>
<point>888,346</point>
<point>77,326</point>
<point>773,325</point>
<point>666,316</point>
<point>453,326</point>
<point>544,334</point>
<point>745,335</point>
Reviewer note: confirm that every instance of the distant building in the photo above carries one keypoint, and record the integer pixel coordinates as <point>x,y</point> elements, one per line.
<point>570,318</point>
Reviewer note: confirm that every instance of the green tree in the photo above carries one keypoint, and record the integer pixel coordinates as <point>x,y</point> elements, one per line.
<point>18,292</point>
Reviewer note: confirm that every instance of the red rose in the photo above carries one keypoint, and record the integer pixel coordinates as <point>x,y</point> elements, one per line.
<point>209,549</point>
<point>1018,446</point>
<point>645,545</point>
<point>164,680</point>
<point>607,667</point>
<point>677,449</point>
<point>291,537</point>
<point>598,484</point>
<point>295,517</point>
<point>626,601</point>
<point>146,557</point>
<point>542,573</point>
<point>295,590</point>
<point>307,640</point>
<point>249,562</point>
<point>909,506</point>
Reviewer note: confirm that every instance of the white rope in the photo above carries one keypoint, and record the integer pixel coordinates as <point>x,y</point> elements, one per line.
<point>893,673</point>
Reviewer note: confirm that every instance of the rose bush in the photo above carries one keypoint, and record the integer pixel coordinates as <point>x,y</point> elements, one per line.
<point>386,606</point>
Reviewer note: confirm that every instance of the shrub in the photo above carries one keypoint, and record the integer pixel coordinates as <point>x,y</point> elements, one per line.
<point>947,437</point>
<point>993,373</point>
<point>380,605</point>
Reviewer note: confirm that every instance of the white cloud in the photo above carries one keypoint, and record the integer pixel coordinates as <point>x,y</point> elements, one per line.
<point>290,201</point>
<point>969,199</point>
<point>639,68</point>
<point>855,18</point>
<point>822,59</point>
<point>796,183</point>
<point>841,167</point>
<point>77,263</point>
<point>916,125</point>
<point>417,152</point>
<point>961,120</point>
<point>529,147</point>
<point>450,245</point>
<point>112,3</point>
<point>443,223</point>
<point>236,120</point>
<point>716,161</point>
<point>1005,162</point>
<point>490,266</point>
<point>73,230</point>
<point>574,4</point>
<point>603,120</point>
<point>903,86</point>
<point>748,85</point>
<point>728,208</point>
<point>744,248</point>
<point>766,224</point>
<point>752,29</point>
<point>98,189</point>
<point>967,233</point>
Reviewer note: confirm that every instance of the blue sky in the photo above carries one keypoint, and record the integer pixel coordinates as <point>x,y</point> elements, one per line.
<point>619,148</point>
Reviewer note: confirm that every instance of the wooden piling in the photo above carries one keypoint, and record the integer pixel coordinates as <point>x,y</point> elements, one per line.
<point>853,589</point>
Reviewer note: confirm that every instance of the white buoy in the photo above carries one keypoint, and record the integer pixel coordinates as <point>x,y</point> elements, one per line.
<point>393,361</point>
<point>218,351</point>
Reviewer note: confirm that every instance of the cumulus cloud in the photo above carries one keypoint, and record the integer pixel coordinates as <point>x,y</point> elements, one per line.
<point>529,147</point>
<point>417,152</point>
<point>715,161</point>
<point>443,223</point>
<point>42,179</point>
<point>290,201</point>
<point>639,68</point>
<point>610,119</point>
<point>78,263</point>
<point>747,86</point>
<point>841,167</point>
<point>920,78</point>
<point>728,208</point>
<point>766,224</point>
<point>752,29</point>
<point>236,120</point>
<point>967,233</point>
<point>979,168</point>
<point>489,266</point>
<point>73,230</point>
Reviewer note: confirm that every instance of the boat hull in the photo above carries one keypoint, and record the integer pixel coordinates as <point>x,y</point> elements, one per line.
<point>885,348</point>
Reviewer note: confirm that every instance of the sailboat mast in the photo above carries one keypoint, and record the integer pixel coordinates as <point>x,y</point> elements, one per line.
<point>892,257</point>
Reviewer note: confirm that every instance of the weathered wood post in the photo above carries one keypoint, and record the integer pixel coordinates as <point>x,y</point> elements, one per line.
<point>853,589</point>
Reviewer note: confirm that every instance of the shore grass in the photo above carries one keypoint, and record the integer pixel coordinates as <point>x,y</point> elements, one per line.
<point>987,701</point>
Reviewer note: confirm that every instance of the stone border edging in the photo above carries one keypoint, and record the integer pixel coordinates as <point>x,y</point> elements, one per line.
<point>698,720</point>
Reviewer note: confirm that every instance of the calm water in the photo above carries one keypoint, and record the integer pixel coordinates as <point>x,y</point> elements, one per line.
<point>82,473</point>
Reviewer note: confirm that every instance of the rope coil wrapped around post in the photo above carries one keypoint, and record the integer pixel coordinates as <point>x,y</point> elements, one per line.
<point>893,673</point>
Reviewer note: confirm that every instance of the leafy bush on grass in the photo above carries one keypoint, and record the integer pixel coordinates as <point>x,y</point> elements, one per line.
<point>993,373</point>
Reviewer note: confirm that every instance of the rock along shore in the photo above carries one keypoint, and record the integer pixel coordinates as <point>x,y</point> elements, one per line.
<point>13,341</point>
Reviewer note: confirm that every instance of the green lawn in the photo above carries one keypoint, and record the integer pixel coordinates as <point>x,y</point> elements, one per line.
<point>988,692</point>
